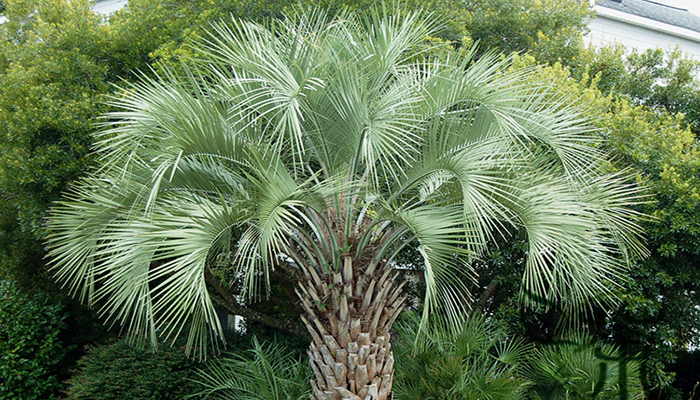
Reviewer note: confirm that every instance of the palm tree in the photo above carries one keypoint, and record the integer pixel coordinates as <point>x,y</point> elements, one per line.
<point>323,148</point>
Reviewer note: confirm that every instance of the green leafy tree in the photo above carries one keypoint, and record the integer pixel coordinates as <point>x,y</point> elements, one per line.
<point>58,60</point>
<point>322,149</point>
<point>660,315</point>
<point>657,318</point>
<point>51,86</point>
<point>664,81</point>
<point>550,30</point>
<point>648,121</point>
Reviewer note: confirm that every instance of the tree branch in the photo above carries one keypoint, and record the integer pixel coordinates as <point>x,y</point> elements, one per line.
<point>224,298</point>
<point>287,284</point>
<point>479,306</point>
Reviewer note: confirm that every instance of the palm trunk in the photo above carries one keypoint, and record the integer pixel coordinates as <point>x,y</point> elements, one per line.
<point>349,314</point>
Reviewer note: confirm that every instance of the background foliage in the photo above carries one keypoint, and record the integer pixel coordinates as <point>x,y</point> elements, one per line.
<point>657,318</point>
<point>550,30</point>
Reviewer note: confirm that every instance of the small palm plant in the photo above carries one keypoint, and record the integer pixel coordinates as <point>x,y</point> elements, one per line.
<point>476,361</point>
<point>579,368</point>
<point>265,372</point>
<point>324,147</point>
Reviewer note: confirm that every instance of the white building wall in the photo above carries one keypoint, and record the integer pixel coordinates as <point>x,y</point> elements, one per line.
<point>106,7</point>
<point>611,26</point>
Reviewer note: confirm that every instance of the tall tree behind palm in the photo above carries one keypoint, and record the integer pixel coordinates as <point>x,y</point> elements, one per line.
<point>324,148</point>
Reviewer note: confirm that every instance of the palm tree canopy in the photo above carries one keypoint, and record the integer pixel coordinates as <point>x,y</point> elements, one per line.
<point>307,139</point>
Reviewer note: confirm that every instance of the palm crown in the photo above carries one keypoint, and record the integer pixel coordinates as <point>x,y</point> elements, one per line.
<point>324,148</point>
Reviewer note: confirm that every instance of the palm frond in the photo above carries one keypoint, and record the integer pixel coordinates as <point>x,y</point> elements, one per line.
<point>439,232</point>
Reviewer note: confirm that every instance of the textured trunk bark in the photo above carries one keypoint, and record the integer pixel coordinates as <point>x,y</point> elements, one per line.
<point>349,314</point>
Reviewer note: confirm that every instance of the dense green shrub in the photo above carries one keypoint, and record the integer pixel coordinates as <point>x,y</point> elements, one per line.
<point>30,349</point>
<point>657,319</point>
<point>120,371</point>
